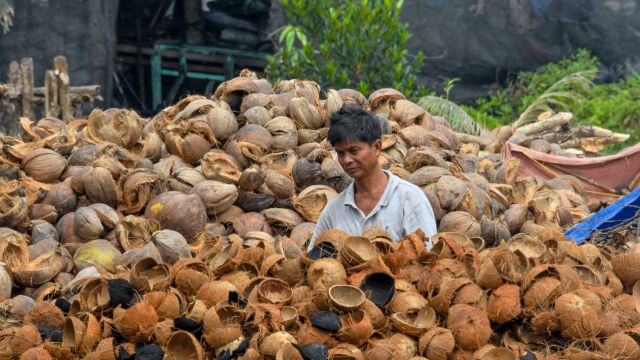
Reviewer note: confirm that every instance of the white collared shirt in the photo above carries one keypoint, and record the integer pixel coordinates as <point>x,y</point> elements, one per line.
<point>402,209</point>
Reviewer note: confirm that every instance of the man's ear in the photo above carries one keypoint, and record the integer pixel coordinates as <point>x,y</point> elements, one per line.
<point>377,146</point>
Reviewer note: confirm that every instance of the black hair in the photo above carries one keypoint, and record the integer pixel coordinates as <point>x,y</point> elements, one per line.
<point>354,123</point>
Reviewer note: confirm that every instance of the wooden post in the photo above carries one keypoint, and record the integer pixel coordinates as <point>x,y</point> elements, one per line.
<point>51,105</point>
<point>26,68</point>
<point>11,105</point>
<point>62,71</point>
<point>15,80</point>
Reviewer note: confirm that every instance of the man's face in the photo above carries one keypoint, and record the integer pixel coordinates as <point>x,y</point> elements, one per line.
<point>357,158</point>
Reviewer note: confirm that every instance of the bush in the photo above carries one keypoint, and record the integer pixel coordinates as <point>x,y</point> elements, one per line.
<point>341,43</point>
<point>615,106</point>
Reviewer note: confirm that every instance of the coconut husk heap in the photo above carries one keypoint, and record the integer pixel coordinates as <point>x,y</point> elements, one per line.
<point>550,133</point>
<point>187,231</point>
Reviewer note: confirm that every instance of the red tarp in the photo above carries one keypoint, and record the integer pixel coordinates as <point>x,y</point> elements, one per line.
<point>612,172</point>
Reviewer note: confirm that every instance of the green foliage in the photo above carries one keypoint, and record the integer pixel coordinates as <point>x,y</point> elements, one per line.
<point>6,16</point>
<point>340,44</point>
<point>568,77</point>
<point>615,106</point>
<point>459,119</point>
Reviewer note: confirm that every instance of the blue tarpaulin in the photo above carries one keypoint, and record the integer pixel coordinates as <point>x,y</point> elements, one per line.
<point>613,215</point>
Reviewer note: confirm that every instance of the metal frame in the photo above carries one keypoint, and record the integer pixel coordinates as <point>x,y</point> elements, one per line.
<point>183,72</point>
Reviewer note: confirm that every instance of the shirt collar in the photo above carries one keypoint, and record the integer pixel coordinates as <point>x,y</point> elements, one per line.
<point>350,192</point>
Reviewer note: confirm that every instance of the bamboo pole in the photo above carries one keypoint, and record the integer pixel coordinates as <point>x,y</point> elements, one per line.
<point>51,105</point>
<point>26,69</point>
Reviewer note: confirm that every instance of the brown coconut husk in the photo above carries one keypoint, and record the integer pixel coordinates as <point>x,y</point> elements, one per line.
<point>344,351</point>
<point>221,326</point>
<point>188,275</point>
<point>346,297</point>
<point>15,341</point>
<point>408,302</point>
<point>326,272</point>
<point>274,291</point>
<point>149,275</point>
<point>356,328</point>
<point>168,305</point>
<point>183,345</point>
<point>621,346</point>
<point>414,324</point>
<point>437,343</point>
<point>626,266</point>
<point>138,322</point>
<point>214,292</point>
<point>45,313</point>
<point>578,319</point>
<point>270,345</point>
<point>470,326</point>
<point>504,303</point>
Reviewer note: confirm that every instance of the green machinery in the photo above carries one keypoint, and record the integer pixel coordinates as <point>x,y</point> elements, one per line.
<point>228,57</point>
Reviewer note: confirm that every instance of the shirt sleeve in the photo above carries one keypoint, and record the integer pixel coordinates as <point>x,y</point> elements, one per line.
<point>418,214</point>
<point>324,223</point>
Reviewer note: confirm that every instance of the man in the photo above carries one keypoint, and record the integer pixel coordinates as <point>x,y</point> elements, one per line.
<point>376,197</point>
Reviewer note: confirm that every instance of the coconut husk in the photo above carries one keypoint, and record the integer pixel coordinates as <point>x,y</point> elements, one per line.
<point>148,274</point>
<point>437,343</point>
<point>284,219</point>
<point>183,345</point>
<point>625,265</point>
<point>188,275</point>
<point>460,222</point>
<point>326,272</point>
<point>470,326</point>
<point>16,341</point>
<point>504,303</point>
<point>311,201</point>
<point>414,324</point>
<point>218,165</point>
<point>578,319</point>
<point>274,291</point>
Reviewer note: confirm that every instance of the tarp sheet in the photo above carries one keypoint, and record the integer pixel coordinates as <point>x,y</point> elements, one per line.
<point>612,172</point>
<point>615,214</point>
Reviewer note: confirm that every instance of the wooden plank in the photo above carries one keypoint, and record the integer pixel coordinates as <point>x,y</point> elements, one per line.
<point>74,91</point>
<point>62,71</point>
<point>26,69</point>
<point>51,105</point>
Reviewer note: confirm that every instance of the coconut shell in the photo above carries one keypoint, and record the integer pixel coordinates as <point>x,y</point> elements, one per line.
<point>220,166</point>
<point>621,346</point>
<point>504,303</point>
<point>100,187</point>
<point>625,267</point>
<point>185,214</point>
<point>578,319</point>
<point>460,222</point>
<point>470,326</point>
<point>138,322</point>
<point>279,184</point>
<point>183,345</point>
<point>216,196</point>
<point>437,343</point>
<point>326,272</point>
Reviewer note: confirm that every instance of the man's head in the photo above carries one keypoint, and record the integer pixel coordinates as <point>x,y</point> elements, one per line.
<point>356,136</point>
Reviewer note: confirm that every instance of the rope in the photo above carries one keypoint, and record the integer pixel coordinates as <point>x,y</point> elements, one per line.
<point>554,174</point>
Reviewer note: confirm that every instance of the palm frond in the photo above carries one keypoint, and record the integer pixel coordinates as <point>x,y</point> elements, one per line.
<point>561,96</point>
<point>458,118</point>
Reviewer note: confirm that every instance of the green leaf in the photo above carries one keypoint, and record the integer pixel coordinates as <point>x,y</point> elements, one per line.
<point>458,118</point>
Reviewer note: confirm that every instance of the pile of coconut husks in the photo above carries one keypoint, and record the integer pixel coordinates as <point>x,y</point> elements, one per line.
<point>182,236</point>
